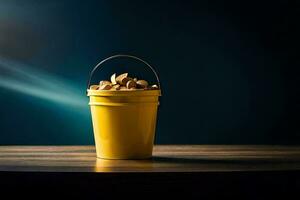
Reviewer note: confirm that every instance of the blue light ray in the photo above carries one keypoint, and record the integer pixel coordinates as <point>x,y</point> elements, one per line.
<point>24,79</point>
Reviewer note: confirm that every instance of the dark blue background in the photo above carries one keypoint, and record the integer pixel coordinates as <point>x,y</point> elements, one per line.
<point>228,69</point>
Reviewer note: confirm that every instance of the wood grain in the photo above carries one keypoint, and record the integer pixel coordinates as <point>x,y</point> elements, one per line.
<point>166,158</point>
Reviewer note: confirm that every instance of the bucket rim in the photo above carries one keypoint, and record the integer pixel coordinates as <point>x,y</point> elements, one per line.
<point>123,92</point>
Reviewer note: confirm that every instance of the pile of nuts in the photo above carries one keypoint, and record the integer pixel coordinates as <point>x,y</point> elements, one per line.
<point>123,82</point>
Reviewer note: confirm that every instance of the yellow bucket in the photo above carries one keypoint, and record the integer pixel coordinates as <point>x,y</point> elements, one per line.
<point>124,122</point>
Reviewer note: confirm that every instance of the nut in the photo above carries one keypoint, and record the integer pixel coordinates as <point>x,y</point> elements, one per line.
<point>154,87</point>
<point>113,79</point>
<point>105,87</point>
<point>94,87</point>
<point>116,87</point>
<point>123,88</point>
<point>141,84</point>
<point>130,84</point>
<point>122,79</point>
<point>104,83</point>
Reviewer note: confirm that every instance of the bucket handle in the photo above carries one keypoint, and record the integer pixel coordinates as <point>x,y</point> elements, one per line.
<point>124,56</point>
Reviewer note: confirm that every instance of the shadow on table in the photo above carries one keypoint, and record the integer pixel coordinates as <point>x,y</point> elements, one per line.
<point>255,160</point>
<point>161,163</point>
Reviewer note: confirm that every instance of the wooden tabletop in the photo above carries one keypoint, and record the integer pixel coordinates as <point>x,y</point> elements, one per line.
<point>166,158</point>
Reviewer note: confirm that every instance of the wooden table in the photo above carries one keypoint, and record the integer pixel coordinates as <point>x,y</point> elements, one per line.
<point>202,170</point>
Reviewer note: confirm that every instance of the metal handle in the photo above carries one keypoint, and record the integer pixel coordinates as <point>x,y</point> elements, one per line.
<point>118,56</point>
